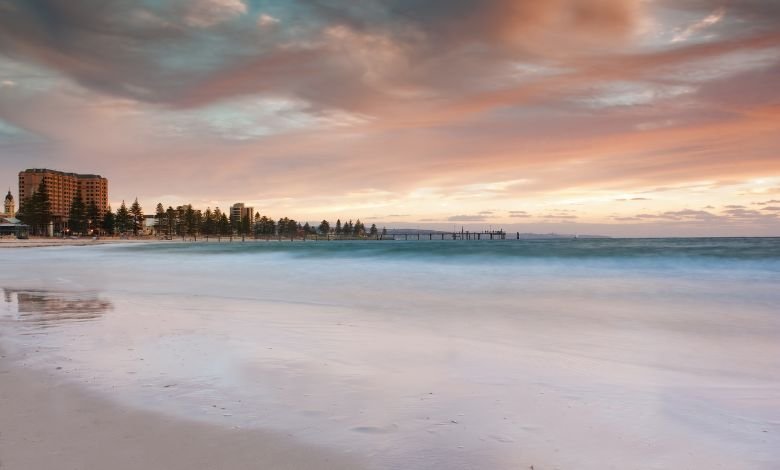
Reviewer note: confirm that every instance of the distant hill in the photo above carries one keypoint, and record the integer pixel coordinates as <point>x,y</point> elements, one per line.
<point>512,235</point>
<point>536,236</point>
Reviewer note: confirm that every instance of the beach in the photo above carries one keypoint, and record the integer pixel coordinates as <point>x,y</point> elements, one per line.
<point>558,354</point>
<point>40,242</point>
<point>48,423</point>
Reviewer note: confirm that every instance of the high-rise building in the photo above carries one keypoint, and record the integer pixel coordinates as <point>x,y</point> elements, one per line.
<point>62,188</point>
<point>239,211</point>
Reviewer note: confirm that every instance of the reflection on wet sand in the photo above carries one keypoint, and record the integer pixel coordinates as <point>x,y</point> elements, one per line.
<point>44,308</point>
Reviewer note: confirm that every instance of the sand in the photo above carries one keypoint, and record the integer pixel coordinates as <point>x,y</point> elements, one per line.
<point>47,424</point>
<point>11,242</point>
<point>405,359</point>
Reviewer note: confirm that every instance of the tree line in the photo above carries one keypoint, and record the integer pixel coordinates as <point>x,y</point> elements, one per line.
<point>182,221</point>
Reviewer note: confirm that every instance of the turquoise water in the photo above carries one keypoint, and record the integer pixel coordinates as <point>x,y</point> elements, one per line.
<point>586,354</point>
<point>760,249</point>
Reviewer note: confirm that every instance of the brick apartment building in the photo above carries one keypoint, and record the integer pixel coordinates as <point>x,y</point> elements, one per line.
<point>62,189</point>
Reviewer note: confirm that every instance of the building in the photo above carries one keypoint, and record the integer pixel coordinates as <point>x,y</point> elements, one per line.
<point>62,188</point>
<point>9,208</point>
<point>9,224</point>
<point>239,212</point>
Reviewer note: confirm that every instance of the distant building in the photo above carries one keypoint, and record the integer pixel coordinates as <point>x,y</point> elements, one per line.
<point>9,208</point>
<point>150,224</point>
<point>240,212</point>
<point>62,188</point>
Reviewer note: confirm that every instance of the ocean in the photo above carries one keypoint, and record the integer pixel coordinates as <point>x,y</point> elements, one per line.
<point>565,353</point>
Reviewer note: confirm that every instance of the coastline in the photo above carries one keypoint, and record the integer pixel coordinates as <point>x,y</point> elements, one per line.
<point>48,242</point>
<point>49,423</point>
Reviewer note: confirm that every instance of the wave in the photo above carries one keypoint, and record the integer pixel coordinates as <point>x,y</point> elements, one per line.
<point>755,249</point>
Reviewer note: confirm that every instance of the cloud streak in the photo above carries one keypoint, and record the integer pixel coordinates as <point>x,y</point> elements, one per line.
<point>433,110</point>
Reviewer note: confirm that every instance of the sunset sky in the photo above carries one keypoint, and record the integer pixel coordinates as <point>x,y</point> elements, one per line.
<point>614,117</point>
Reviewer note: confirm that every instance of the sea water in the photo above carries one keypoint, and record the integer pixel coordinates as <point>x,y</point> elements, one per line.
<point>571,354</point>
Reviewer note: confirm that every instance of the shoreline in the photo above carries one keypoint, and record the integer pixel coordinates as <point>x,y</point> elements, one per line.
<point>49,242</point>
<point>47,422</point>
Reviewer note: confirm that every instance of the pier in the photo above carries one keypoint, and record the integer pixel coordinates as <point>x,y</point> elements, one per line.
<point>462,235</point>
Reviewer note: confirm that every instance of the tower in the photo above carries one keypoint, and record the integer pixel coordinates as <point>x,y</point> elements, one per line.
<point>9,205</point>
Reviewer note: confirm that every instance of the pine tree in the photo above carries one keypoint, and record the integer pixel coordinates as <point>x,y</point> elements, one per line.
<point>189,220</point>
<point>246,225</point>
<point>35,210</point>
<point>137,218</point>
<point>324,227</point>
<point>373,231</point>
<point>93,217</point>
<point>159,215</point>
<point>359,229</point>
<point>208,222</point>
<point>109,222</point>
<point>123,219</point>
<point>170,220</point>
<point>224,225</point>
<point>338,227</point>
<point>77,219</point>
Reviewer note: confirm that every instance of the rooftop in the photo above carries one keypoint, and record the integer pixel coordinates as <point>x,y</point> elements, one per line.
<point>57,172</point>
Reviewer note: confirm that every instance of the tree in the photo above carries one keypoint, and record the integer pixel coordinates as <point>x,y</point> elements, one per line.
<point>208,222</point>
<point>77,218</point>
<point>246,225</point>
<point>170,220</point>
<point>265,226</point>
<point>93,217</point>
<point>197,223</point>
<point>224,225</point>
<point>159,215</point>
<point>373,231</point>
<point>123,219</point>
<point>358,229</point>
<point>324,227</point>
<point>189,220</point>
<point>235,222</point>
<point>338,227</point>
<point>137,217</point>
<point>35,210</point>
<point>109,221</point>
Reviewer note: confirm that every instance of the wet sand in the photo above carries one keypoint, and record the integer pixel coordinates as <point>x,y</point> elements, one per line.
<point>386,355</point>
<point>46,423</point>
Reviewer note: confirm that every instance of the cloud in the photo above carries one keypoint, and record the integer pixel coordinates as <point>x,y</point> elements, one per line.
<point>267,20</point>
<point>519,214</point>
<point>401,106</point>
<point>205,13</point>
<point>467,218</point>
<point>706,22</point>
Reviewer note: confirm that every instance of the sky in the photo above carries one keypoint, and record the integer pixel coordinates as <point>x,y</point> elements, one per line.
<point>612,117</point>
